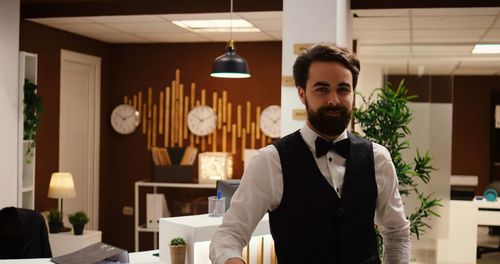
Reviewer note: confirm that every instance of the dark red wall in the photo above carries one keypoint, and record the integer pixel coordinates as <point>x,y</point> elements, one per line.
<point>47,43</point>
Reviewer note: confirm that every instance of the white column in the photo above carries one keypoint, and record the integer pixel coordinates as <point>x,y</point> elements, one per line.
<point>9,59</point>
<point>308,22</point>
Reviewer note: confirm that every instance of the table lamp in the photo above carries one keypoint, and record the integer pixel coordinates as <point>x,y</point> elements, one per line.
<point>62,186</point>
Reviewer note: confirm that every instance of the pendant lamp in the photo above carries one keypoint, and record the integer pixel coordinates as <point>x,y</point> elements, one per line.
<point>230,64</point>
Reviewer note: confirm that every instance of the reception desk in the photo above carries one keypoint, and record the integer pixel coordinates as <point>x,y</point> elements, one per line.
<point>197,231</point>
<point>465,217</point>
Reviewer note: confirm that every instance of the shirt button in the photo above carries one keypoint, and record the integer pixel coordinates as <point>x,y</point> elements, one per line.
<point>330,159</point>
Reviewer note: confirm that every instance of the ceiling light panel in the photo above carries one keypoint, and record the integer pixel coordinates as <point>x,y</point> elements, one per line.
<point>216,25</point>
<point>486,49</point>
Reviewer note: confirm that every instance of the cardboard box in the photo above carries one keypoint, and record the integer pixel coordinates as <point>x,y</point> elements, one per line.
<point>173,173</point>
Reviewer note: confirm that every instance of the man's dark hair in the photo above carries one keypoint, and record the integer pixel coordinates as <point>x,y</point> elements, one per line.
<point>326,52</point>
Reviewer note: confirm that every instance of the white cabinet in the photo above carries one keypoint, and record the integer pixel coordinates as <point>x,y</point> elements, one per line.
<point>26,163</point>
<point>140,224</point>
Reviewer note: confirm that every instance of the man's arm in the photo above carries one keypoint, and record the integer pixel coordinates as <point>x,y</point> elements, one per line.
<point>254,197</point>
<point>390,215</point>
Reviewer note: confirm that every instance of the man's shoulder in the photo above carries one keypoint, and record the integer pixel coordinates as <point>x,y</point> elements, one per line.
<point>379,151</point>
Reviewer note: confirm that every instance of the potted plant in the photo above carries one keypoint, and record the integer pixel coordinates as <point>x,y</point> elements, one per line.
<point>78,220</point>
<point>385,120</point>
<point>177,250</point>
<point>54,218</point>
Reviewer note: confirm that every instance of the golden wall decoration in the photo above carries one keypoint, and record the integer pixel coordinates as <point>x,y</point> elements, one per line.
<point>163,114</point>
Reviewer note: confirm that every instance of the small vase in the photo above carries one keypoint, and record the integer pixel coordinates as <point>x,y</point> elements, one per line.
<point>178,254</point>
<point>78,229</point>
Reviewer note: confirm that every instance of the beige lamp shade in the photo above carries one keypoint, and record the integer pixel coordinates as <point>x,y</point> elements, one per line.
<point>61,185</point>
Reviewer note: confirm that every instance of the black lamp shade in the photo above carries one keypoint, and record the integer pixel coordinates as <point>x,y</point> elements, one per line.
<point>230,65</point>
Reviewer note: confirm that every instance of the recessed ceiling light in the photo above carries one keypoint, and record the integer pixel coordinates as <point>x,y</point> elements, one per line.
<point>216,25</point>
<point>486,48</point>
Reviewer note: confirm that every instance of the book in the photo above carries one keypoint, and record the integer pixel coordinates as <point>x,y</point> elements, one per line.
<point>189,156</point>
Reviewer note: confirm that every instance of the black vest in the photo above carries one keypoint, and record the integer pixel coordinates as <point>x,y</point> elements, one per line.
<point>312,224</point>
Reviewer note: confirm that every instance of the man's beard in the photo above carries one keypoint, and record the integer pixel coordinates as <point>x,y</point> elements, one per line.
<point>327,124</point>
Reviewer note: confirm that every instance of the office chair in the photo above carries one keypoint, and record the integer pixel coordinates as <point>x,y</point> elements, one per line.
<point>493,229</point>
<point>23,234</point>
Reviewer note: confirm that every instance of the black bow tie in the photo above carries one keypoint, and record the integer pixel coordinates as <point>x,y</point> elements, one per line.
<point>341,147</point>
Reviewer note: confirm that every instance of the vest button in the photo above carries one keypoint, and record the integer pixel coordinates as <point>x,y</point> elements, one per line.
<point>340,212</point>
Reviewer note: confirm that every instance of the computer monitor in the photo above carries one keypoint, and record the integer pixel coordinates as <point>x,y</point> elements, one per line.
<point>227,189</point>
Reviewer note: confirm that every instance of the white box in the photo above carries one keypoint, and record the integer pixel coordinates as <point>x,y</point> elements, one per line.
<point>156,208</point>
<point>197,231</point>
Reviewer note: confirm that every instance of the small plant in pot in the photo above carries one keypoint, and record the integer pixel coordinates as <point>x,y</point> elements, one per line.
<point>54,218</point>
<point>177,250</point>
<point>78,220</point>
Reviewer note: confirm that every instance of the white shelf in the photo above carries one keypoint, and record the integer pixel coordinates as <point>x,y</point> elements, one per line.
<point>27,189</point>
<point>139,227</point>
<point>26,165</point>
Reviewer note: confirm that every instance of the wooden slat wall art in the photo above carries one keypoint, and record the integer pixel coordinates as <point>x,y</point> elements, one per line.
<point>153,142</point>
<point>167,117</point>
<point>144,118</point>
<point>164,113</point>
<point>160,112</point>
<point>139,103</point>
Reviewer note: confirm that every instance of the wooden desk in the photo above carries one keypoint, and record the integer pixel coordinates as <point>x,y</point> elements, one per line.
<point>66,242</point>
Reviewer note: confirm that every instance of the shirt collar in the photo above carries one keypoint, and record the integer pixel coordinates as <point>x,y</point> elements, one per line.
<point>310,136</point>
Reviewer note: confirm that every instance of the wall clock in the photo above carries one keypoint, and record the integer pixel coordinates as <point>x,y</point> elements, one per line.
<point>124,119</point>
<point>202,120</point>
<point>270,121</point>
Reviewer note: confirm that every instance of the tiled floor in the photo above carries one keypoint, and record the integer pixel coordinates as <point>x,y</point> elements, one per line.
<point>490,241</point>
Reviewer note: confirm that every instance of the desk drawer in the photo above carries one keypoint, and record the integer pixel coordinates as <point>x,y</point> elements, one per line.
<point>489,217</point>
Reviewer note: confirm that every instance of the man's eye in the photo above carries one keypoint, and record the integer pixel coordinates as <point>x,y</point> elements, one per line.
<point>322,89</point>
<point>344,89</point>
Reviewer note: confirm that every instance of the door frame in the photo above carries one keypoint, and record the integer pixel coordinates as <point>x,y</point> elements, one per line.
<point>93,165</point>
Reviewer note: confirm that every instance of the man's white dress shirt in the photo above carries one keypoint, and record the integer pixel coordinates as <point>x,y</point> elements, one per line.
<point>261,189</point>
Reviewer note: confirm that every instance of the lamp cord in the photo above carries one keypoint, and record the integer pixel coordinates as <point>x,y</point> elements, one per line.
<point>231,23</point>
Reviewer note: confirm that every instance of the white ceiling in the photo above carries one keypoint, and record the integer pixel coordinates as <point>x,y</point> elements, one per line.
<point>403,41</point>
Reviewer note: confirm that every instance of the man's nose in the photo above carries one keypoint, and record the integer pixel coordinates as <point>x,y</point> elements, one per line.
<point>333,100</point>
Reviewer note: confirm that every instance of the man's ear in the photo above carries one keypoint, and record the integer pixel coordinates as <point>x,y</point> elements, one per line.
<point>302,94</point>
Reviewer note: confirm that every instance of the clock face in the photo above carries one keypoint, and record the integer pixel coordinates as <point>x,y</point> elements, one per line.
<point>270,121</point>
<point>124,119</point>
<point>202,120</point>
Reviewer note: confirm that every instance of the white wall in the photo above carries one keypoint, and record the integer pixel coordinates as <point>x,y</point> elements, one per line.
<point>330,23</point>
<point>9,50</point>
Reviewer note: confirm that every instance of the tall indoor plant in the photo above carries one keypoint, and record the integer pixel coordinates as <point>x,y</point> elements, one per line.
<point>385,120</point>
<point>32,111</point>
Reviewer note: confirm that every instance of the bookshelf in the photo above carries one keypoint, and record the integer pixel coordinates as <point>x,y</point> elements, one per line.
<point>28,63</point>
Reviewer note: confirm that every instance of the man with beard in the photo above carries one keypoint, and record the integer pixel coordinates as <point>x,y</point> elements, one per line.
<point>323,187</point>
